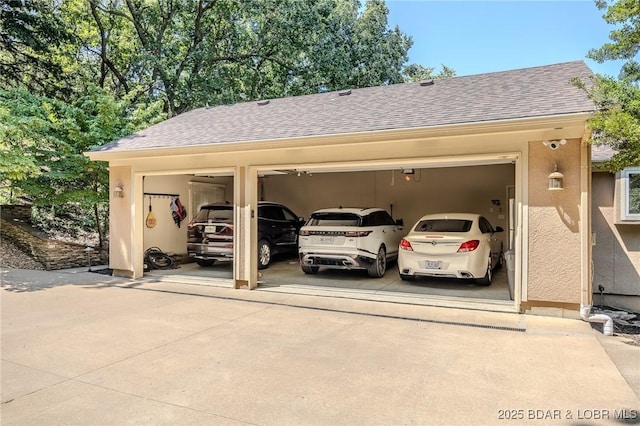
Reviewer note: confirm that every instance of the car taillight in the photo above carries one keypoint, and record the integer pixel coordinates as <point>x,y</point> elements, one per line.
<point>405,245</point>
<point>303,232</point>
<point>228,230</point>
<point>357,233</point>
<point>470,245</point>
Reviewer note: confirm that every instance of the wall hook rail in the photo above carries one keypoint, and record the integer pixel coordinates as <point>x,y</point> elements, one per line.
<point>159,194</point>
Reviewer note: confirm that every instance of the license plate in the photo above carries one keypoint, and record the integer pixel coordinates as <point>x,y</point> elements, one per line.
<point>210,229</point>
<point>431,264</point>
<point>327,240</point>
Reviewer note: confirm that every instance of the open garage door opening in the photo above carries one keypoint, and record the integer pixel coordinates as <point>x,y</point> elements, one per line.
<point>406,192</point>
<point>290,197</point>
<point>191,218</point>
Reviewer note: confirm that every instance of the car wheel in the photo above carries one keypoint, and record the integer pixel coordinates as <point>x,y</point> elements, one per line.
<point>310,269</point>
<point>486,280</point>
<point>264,254</point>
<point>205,262</point>
<point>379,266</point>
<point>404,277</point>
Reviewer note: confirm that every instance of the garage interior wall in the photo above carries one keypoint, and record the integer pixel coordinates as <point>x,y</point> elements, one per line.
<point>474,189</point>
<point>616,252</point>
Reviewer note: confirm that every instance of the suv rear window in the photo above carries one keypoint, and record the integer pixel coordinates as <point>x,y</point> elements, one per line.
<point>334,219</point>
<point>215,214</point>
<point>443,225</point>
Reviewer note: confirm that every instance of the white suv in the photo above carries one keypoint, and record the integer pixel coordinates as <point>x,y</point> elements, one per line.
<point>349,238</point>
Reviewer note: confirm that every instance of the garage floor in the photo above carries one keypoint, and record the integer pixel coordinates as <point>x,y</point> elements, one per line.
<point>285,276</point>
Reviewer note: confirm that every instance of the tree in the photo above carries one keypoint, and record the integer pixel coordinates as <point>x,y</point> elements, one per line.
<point>42,142</point>
<point>617,120</point>
<point>30,31</point>
<point>193,53</point>
<point>80,73</point>
<point>625,40</point>
<point>415,72</point>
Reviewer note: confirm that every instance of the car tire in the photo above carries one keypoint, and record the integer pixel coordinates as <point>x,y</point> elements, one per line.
<point>310,269</point>
<point>486,280</point>
<point>264,254</point>
<point>405,277</point>
<point>379,265</point>
<point>205,262</point>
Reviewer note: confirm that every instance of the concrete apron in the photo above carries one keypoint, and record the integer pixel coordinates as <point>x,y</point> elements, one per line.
<point>283,277</point>
<point>123,352</point>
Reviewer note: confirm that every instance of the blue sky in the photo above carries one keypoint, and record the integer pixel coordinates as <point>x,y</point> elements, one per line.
<point>476,37</point>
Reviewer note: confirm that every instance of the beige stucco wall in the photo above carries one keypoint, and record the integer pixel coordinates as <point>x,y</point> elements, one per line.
<point>554,224</point>
<point>616,253</point>
<point>122,244</point>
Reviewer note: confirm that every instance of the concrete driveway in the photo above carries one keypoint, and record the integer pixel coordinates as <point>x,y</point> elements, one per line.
<point>86,349</point>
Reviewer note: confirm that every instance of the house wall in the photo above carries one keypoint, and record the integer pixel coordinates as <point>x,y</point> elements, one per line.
<point>554,225</point>
<point>616,252</point>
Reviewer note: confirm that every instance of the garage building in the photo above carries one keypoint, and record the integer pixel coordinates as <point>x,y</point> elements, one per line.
<point>491,144</point>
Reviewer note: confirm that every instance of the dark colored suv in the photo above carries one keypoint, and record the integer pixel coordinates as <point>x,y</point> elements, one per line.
<point>210,233</point>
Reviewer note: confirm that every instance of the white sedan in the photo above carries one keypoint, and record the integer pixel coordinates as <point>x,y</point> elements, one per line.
<point>454,245</point>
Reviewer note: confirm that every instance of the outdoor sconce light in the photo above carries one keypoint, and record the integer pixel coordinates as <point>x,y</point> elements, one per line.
<point>555,180</point>
<point>118,191</point>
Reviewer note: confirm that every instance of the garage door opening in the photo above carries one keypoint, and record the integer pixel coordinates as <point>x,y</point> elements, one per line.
<point>406,192</point>
<point>164,228</point>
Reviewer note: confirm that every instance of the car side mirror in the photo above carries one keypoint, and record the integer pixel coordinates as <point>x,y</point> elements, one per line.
<point>499,229</point>
<point>399,222</point>
<point>301,219</point>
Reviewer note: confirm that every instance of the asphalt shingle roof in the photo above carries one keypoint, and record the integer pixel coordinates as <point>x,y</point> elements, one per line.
<point>516,94</point>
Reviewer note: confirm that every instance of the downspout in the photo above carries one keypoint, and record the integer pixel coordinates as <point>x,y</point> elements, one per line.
<point>587,261</point>
<point>607,327</point>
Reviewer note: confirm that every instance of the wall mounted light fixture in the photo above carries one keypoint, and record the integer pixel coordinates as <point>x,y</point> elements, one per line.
<point>556,180</point>
<point>118,191</point>
<point>408,173</point>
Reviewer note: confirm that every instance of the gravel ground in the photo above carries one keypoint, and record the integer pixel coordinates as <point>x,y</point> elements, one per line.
<point>12,257</point>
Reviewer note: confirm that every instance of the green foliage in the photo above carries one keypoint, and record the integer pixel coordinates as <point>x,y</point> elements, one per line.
<point>30,32</point>
<point>75,74</point>
<point>193,53</point>
<point>43,140</point>
<point>625,38</point>
<point>617,121</point>
<point>415,73</point>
